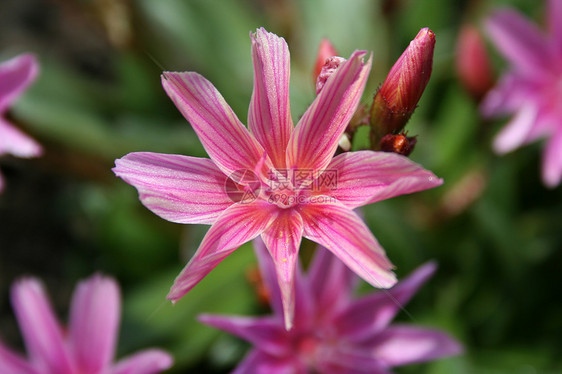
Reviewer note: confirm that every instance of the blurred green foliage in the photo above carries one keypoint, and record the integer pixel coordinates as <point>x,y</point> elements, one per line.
<point>493,228</point>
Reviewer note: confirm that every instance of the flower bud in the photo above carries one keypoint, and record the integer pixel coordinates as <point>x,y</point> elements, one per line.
<point>398,96</point>
<point>325,51</point>
<point>400,144</point>
<point>332,64</point>
<point>472,62</point>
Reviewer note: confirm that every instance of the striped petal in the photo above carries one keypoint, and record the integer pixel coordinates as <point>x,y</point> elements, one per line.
<point>269,117</point>
<point>267,333</point>
<point>94,323</point>
<point>403,345</point>
<point>371,314</point>
<point>520,41</point>
<point>150,361</point>
<point>237,225</point>
<point>16,143</point>
<point>229,144</point>
<point>339,229</point>
<point>13,363</point>
<point>178,188</point>
<point>16,75</point>
<point>316,136</point>
<point>365,177</point>
<point>552,160</point>
<point>283,239</point>
<point>39,327</point>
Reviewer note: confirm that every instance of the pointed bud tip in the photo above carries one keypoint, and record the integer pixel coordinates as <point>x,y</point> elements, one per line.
<point>325,51</point>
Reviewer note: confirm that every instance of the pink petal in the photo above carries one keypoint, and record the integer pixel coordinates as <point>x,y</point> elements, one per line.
<point>331,282</point>
<point>226,140</point>
<point>12,363</point>
<point>149,361</point>
<point>365,177</point>
<point>336,227</point>
<point>552,160</point>
<point>16,75</point>
<point>40,329</point>
<point>269,118</point>
<point>16,143</point>
<point>267,333</point>
<point>371,314</point>
<point>554,15</point>
<point>316,136</point>
<point>94,323</point>
<point>283,239</point>
<point>508,95</point>
<point>237,225</point>
<point>178,188</point>
<point>403,345</point>
<point>520,41</point>
<point>349,360</point>
<point>515,133</point>
<point>269,276</point>
<point>259,362</point>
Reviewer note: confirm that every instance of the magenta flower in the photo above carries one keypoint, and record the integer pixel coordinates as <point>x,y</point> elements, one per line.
<point>16,75</point>
<point>531,89</point>
<point>87,347</point>
<point>275,180</point>
<point>333,331</point>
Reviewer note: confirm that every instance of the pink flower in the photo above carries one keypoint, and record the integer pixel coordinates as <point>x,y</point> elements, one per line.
<point>87,347</point>
<point>285,182</point>
<point>333,331</point>
<point>531,90</point>
<point>15,76</point>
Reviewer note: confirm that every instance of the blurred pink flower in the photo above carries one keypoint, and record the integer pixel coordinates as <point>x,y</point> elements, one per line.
<point>275,180</point>
<point>87,347</point>
<point>532,87</point>
<point>333,331</point>
<point>16,75</point>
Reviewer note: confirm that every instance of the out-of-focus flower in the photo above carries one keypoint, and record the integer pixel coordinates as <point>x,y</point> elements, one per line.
<point>472,62</point>
<point>325,51</point>
<point>531,89</point>
<point>87,347</point>
<point>16,75</point>
<point>297,187</point>
<point>335,332</point>
<point>398,96</point>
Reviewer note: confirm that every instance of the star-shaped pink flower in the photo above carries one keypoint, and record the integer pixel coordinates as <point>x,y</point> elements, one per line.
<point>16,75</point>
<point>282,181</point>
<point>532,88</point>
<point>87,347</point>
<point>333,331</point>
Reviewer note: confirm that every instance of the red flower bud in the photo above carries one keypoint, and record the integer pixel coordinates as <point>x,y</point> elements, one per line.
<point>472,62</point>
<point>400,144</point>
<point>398,96</point>
<point>325,51</point>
